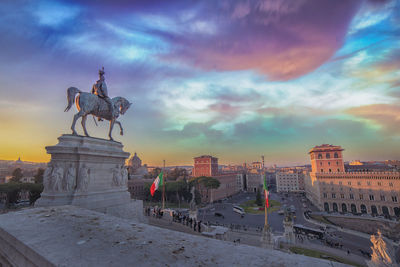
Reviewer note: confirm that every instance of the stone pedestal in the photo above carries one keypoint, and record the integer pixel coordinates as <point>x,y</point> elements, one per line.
<point>193,214</point>
<point>289,235</point>
<point>90,173</point>
<point>267,239</point>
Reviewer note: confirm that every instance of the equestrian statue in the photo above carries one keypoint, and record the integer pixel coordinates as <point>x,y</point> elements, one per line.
<point>98,104</point>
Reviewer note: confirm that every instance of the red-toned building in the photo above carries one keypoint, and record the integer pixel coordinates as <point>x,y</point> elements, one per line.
<point>326,159</point>
<point>205,166</point>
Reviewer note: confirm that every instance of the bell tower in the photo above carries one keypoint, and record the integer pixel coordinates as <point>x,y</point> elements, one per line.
<point>326,159</point>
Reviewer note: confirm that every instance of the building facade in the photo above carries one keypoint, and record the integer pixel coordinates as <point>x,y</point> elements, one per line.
<point>331,188</point>
<point>205,166</point>
<point>287,181</point>
<point>229,186</point>
<point>254,181</point>
<point>137,188</point>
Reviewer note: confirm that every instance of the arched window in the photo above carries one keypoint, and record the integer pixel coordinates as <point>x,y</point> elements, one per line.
<point>363,208</point>
<point>374,210</point>
<point>335,207</point>
<point>320,156</point>
<point>344,207</point>
<point>397,211</point>
<point>336,155</point>
<point>328,156</point>
<point>385,210</point>
<point>326,207</point>
<point>353,209</point>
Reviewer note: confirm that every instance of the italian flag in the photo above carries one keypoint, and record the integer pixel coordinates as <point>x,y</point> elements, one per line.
<point>156,184</point>
<point>266,193</point>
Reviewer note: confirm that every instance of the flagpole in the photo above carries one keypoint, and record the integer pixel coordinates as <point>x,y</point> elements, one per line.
<point>265,202</point>
<point>163,196</point>
<point>266,215</point>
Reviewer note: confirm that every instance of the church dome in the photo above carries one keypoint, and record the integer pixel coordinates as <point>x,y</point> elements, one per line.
<point>135,162</point>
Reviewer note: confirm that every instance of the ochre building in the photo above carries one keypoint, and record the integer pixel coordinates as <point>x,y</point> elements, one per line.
<point>331,188</point>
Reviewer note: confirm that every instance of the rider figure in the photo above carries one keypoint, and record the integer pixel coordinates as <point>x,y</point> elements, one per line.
<point>100,89</point>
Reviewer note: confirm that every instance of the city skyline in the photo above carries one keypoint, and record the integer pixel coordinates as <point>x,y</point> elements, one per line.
<point>232,79</point>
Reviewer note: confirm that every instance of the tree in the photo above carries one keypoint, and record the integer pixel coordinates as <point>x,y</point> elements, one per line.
<point>39,176</point>
<point>205,182</point>
<point>12,190</point>
<point>258,198</point>
<point>153,174</point>
<point>35,190</point>
<point>16,175</point>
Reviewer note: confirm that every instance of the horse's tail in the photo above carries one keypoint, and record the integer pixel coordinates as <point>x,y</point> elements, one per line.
<point>71,93</point>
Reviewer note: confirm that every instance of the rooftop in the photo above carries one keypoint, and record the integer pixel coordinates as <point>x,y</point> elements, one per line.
<point>326,147</point>
<point>72,236</point>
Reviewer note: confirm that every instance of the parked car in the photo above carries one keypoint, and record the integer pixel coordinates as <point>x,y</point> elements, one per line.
<point>217,214</point>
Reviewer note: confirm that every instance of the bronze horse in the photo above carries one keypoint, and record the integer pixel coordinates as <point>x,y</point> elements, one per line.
<point>91,104</point>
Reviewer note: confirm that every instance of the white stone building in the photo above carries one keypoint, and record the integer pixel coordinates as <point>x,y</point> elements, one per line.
<point>288,181</point>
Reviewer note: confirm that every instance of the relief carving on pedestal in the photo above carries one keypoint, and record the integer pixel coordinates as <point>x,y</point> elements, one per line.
<point>70,178</point>
<point>57,177</point>
<point>120,175</point>
<point>84,179</point>
<point>117,176</point>
<point>124,173</point>
<point>47,177</point>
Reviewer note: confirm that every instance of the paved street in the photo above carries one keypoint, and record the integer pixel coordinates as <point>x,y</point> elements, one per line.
<point>252,222</point>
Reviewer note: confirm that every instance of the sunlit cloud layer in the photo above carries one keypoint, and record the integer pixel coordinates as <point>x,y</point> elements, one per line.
<point>233,78</point>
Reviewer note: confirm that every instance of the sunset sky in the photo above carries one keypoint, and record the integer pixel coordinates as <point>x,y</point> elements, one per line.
<point>234,79</point>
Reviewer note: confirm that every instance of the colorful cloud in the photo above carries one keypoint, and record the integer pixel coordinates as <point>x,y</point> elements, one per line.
<point>233,78</point>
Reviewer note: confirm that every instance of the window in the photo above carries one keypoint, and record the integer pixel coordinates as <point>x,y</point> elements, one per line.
<point>320,156</point>
<point>336,155</point>
<point>361,197</point>
<point>325,195</point>
<point>329,163</point>
<point>330,170</point>
<point>349,183</point>
<point>391,184</point>
<point>340,182</point>
<point>394,198</point>
<point>358,183</point>
<point>322,170</point>
<point>379,183</point>
<point>383,198</point>
<point>333,195</point>
<point>338,170</point>
<point>368,183</point>
<point>320,163</point>
<point>351,196</point>
<point>341,195</point>
<point>337,162</point>
<point>371,197</point>
<point>328,156</point>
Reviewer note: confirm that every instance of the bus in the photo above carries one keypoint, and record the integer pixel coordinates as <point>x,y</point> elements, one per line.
<point>239,210</point>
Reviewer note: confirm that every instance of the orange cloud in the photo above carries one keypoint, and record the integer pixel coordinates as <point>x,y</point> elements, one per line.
<point>385,115</point>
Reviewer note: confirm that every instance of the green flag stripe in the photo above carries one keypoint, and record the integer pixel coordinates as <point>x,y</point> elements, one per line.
<point>160,176</point>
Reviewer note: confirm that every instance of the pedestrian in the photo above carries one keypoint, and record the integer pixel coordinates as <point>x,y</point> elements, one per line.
<point>348,252</point>
<point>194,226</point>
<point>199,227</point>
